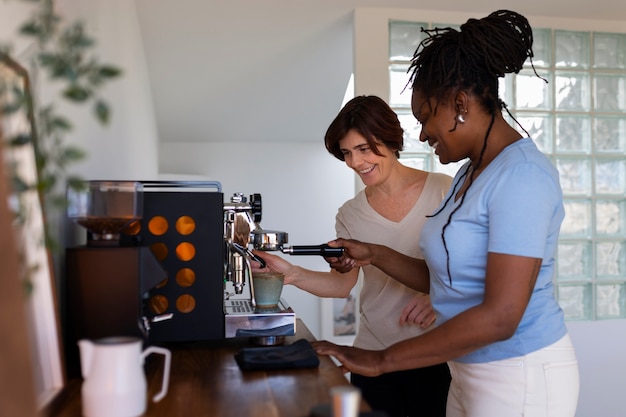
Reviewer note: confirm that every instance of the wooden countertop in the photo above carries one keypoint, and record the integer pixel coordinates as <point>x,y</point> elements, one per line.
<point>206,381</point>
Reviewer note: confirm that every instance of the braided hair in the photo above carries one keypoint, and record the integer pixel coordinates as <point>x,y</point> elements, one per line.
<point>472,59</point>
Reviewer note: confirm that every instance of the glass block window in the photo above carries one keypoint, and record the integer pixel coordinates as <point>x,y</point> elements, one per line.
<point>578,120</point>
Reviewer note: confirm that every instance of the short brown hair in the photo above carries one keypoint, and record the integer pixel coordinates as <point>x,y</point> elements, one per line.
<point>373,119</point>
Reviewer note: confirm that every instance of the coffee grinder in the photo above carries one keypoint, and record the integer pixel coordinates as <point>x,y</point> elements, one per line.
<point>107,283</point>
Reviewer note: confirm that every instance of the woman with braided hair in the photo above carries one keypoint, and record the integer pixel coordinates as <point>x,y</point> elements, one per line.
<point>489,248</point>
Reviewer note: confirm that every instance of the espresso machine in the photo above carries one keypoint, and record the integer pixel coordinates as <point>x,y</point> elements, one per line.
<point>190,279</point>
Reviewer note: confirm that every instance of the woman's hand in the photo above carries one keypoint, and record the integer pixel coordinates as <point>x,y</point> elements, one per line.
<point>355,253</point>
<point>273,263</point>
<point>418,311</point>
<point>341,264</point>
<point>351,359</point>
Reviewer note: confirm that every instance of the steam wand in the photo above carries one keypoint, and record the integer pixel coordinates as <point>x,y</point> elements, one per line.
<point>245,251</point>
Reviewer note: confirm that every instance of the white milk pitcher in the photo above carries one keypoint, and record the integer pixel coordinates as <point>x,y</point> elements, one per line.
<point>114,382</point>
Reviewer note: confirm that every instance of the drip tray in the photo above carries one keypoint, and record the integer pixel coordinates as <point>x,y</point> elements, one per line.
<point>243,320</point>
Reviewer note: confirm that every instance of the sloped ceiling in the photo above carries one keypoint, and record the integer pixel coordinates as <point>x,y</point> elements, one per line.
<point>261,70</point>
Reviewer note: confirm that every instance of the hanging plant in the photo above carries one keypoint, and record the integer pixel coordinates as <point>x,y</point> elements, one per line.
<point>63,52</point>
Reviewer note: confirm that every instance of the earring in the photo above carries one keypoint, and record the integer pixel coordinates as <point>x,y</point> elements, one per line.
<point>460,118</point>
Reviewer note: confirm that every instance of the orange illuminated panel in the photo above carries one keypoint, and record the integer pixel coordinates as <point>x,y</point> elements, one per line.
<point>158,304</point>
<point>185,303</point>
<point>158,225</point>
<point>159,250</point>
<point>185,277</point>
<point>185,251</point>
<point>185,225</point>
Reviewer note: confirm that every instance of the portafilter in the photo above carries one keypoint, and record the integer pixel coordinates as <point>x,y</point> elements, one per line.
<point>271,240</point>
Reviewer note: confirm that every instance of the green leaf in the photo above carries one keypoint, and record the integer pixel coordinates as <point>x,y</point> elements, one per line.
<point>102,111</point>
<point>19,140</point>
<point>60,123</point>
<point>10,108</point>
<point>76,183</point>
<point>48,58</point>
<point>73,154</point>
<point>46,183</point>
<point>18,184</point>
<point>109,71</point>
<point>76,93</point>
<point>30,28</point>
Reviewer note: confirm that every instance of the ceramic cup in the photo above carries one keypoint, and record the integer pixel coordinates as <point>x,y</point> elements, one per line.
<point>268,286</point>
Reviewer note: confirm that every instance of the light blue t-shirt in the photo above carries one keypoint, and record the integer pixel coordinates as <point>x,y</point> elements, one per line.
<point>515,206</point>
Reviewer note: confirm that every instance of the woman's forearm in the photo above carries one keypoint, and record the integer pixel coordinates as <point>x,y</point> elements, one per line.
<point>407,270</point>
<point>323,284</point>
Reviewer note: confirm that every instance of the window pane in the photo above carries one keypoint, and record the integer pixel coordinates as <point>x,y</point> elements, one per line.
<point>577,222</point>
<point>573,134</point>
<point>532,92</point>
<point>575,300</point>
<point>399,92</point>
<point>404,38</point>
<point>572,91</point>
<point>611,176</point>
<point>610,218</point>
<point>542,48</point>
<point>574,261</point>
<point>539,127</point>
<point>610,134</point>
<point>571,49</point>
<point>611,260</point>
<point>610,93</point>
<point>611,301</point>
<point>609,50</point>
<point>575,176</point>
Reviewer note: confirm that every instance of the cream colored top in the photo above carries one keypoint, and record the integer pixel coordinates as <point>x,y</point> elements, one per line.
<point>382,299</point>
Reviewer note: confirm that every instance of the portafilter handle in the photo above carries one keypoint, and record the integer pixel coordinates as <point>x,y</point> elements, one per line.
<point>320,250</point>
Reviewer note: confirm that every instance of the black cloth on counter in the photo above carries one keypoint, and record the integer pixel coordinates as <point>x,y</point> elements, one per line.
<point>299,354</point>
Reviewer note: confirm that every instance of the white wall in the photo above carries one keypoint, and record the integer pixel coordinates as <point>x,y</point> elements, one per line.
<point>127,147</point>
<point>601,350</point>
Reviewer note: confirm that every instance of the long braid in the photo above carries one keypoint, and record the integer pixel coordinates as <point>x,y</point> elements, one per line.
<point>471,181</point>
<point>472,59</point>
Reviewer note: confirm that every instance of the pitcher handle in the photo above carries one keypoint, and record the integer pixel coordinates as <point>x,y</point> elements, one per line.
<point>166,369</point>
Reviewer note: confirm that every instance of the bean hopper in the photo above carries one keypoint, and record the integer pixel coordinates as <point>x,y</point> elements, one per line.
<point>107,283</point>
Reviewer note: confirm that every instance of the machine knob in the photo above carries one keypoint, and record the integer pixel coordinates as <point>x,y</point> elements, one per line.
<point>238,198</point>
<point>256,206</point>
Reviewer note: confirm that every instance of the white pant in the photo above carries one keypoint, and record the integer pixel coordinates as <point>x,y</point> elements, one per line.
<point>544,383</point>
